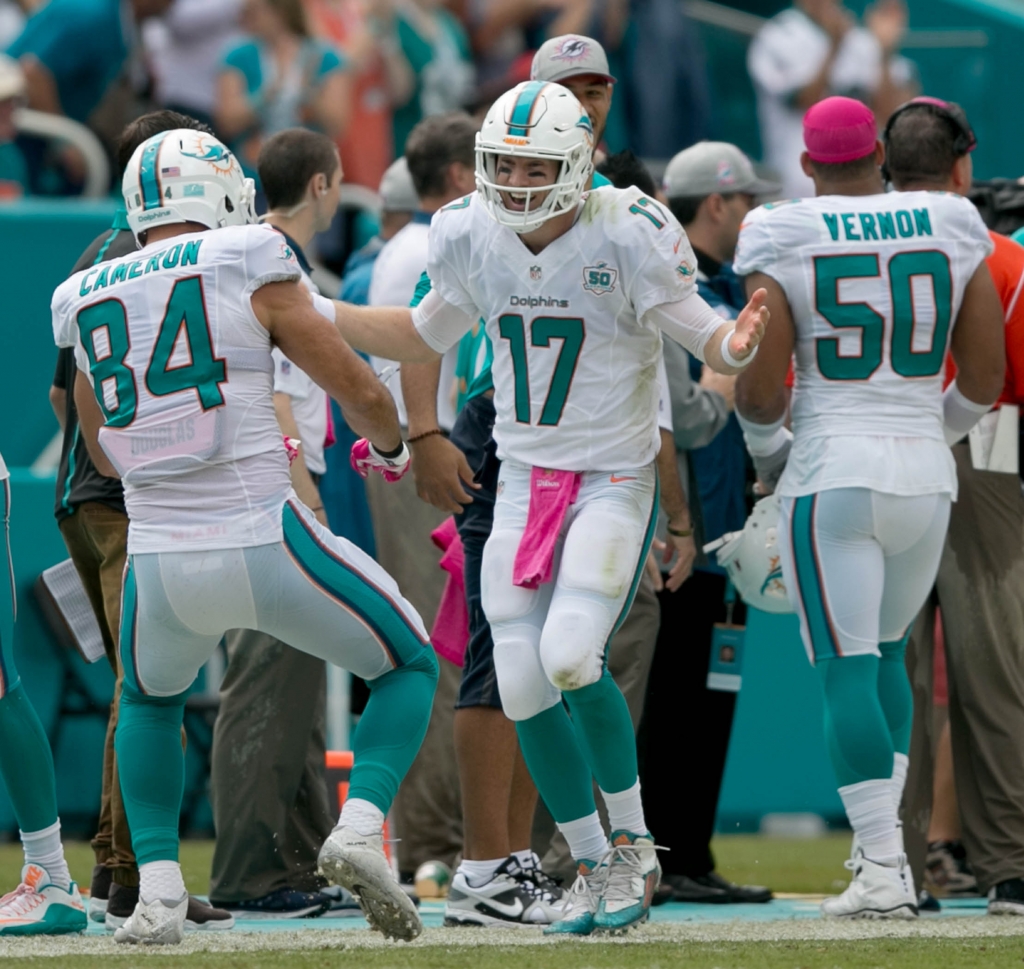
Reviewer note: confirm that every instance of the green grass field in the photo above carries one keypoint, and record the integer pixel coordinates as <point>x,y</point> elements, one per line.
<point>786,865</point>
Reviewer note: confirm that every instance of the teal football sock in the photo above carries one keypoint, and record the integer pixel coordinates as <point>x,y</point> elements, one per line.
<point>605,732</point>
<point>552,753</point>
<point>26,763</point>
<point>895,694</point>
<point>856,730</point>
<point>391,729</point>
<point>151,767</point>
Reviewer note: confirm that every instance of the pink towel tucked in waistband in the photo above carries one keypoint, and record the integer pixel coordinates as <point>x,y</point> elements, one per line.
<point>330,438</point>
<point>450,635</point>
<point>551,494</point>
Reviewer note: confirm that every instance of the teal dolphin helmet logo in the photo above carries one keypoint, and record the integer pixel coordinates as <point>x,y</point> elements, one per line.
<point>213,154</point>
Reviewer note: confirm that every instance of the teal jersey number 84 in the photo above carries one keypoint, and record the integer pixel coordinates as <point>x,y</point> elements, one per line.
<point>184,320</point>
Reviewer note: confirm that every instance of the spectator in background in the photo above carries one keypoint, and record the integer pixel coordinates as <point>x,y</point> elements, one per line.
<point>816,49</point>
<point>71,50</point>
<point>12,21</point>
<point>267,781</point>
<point>710,188</point>
<point>280,77</point>
<point>185,47</point>
<point>980,584</point>
<point>365,31</point>
<point>13,173</point>
<point>398,203</point>
<point>437,48</point>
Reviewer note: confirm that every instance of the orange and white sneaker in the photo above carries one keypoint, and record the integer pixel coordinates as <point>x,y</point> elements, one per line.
<point>38,907</point>
<point>633,877</point>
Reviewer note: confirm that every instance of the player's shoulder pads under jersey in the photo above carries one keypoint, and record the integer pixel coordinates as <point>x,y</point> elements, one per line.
<point>262,251</point>
<point>768,230</point>
<point>653,255</point>
<point>457,232</point>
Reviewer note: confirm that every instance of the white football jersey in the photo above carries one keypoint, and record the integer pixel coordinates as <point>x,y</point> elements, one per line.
<point>575,366</point>
<point>183,373</point>
<point>875,284</point>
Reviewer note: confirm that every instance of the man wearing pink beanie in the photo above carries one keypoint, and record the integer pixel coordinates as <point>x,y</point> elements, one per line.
<point>869,291</point>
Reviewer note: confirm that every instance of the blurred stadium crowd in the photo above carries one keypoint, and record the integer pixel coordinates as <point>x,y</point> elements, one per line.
<point>411,80</point>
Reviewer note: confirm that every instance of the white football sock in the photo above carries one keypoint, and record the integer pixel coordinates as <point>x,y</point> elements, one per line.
<point>478,873</point>
<point>625,811</point>
<point>161,880</point>
<point>362,816</point>
<point>44,848</point>
<point>873,818</point>
<point>586,837</point>
<point>900,763</point>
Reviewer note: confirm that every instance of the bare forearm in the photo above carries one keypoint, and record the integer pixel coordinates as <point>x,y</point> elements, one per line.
<point>383,331</point>
<point>91,420</point>
<point>419,388</point>
<point>818,88</point>
<point>59,403</point>
<point>673,497</point>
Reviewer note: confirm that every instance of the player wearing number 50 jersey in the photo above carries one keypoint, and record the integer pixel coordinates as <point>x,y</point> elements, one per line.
<point>175,393</point>
<point>576,290</point>
<point>869,291</point>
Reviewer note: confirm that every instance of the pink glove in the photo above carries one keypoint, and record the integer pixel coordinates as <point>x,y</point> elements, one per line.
<point>291,446</point>
<point>365,458</point>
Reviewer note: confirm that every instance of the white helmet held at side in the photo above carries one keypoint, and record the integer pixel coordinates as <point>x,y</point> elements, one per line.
<point>536,119</point>
<point>186,176</point>
<point>751,557</point>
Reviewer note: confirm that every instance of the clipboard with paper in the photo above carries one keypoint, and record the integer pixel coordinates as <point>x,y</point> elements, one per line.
<point>995,442</point>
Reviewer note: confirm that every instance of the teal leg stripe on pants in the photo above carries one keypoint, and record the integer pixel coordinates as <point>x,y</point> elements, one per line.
<point>808,577</point>
<point>128,639</point>
<point>856,731</point>
<point>895,694</point>
<point>9,678</point>
<point>391,729</point>
<point>151,767</point>
<point>340,580</point>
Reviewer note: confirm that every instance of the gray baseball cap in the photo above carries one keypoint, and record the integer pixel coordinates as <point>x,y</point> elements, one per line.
<point>713,166</point>
<point>569,55</point>
<point>396,191</point>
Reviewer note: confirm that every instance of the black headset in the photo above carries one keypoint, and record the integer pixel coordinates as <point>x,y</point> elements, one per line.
<point>964,142</point>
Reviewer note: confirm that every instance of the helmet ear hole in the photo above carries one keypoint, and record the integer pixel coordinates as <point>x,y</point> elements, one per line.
<point>228,205</point>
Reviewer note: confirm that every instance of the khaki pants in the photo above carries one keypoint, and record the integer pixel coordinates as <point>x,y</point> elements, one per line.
<point>629,661</point>
<point>267,780</point>
<point>980,588</point>
<point>96,536</point>
<point>427,812</point>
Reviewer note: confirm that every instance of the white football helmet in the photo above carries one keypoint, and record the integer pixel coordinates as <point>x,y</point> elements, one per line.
<point>186,176</point>
<point>536,119</point>
<point>751,557</point>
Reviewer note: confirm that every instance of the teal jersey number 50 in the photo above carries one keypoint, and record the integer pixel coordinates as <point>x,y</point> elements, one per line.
<point>185,323</point>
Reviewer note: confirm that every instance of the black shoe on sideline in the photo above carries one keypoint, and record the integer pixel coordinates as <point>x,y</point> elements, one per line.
<point>1007,898</point>
<point>713,889</point>
<point>99,892</point>
<point>121,903</point>
<point>283,903</point>
<point>927,902</point>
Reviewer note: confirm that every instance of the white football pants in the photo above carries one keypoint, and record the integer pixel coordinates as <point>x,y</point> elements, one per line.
<point>556,637</point>
<point>859,564</point>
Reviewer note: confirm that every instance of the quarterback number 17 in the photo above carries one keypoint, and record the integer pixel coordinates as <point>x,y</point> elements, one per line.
<point>543,330</point>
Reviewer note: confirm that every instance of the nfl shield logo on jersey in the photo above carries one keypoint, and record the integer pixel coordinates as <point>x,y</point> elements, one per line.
<point>535,273</point>
<point>599,279</point>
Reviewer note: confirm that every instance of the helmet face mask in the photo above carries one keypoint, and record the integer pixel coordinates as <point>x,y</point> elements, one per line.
<point>186,176</point>
<point>535,120</point>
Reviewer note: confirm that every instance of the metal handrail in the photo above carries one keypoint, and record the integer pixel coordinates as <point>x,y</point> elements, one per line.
<point>97,167</point>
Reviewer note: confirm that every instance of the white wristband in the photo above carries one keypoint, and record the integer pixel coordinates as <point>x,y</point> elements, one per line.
<point>729,359</point>
<point>324,306</point>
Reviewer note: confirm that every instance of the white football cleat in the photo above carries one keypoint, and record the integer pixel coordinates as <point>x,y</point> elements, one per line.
<point>876,892</point>
<point>157,923</point>
<point>582,901</point>
<point>38,907</point>
<point>357,862</point>
<point>633,877</point>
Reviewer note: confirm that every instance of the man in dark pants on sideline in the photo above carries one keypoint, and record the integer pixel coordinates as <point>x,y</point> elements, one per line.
<point>92,518</point>
<point>710,188</point>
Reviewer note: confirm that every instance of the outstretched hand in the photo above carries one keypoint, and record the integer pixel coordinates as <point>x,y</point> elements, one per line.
<point>750,326</point>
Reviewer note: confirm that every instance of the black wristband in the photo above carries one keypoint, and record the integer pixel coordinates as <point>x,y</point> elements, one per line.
<point>390,455</point>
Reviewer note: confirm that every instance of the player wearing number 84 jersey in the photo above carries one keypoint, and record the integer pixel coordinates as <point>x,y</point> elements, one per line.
<point>868,291</point>
<point>575,290</point>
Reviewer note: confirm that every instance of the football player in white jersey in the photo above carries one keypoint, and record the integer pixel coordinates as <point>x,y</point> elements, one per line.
<point>576,290</point>
<point>869,291</point>
<point>175,393</point>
